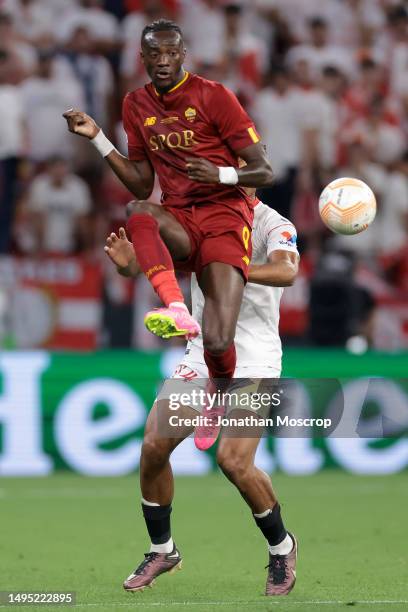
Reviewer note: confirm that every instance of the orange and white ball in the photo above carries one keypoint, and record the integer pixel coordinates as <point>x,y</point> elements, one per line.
<point>347,206</point>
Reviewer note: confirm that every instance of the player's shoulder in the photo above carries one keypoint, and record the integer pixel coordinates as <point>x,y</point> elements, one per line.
<point>265,214</point>
<point>140,93</point>
<point>208,87</point>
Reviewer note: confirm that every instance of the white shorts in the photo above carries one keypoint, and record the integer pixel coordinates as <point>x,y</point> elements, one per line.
<point>198,369</point>
<point>191,377</point>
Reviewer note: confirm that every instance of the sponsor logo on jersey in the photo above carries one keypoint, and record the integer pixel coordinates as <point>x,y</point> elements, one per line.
<point>288,239</point>
<point>150,121</point>
<point>169,120</point>
<point>173,140</point>
<point>190,113</point>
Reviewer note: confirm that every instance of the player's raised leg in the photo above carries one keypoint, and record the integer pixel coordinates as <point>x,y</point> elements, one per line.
<point>157,488</point>
<point>236,458</point>
<point>222,286</point>
<point>153,231</point>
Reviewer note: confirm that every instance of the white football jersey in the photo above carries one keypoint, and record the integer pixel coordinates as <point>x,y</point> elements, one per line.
<point>257,338</point>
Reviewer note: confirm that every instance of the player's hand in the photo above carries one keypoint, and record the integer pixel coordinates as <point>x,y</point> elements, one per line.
<point>81,123</point>
<point>202,170</point>
<point>120,250</point>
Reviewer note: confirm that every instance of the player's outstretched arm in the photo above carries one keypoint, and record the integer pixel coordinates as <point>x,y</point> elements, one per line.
<point>120,252</point>
<point>137,176</point>
<point>280,270</point>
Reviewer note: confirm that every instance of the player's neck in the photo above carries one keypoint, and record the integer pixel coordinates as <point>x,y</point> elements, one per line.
<point>180,78</point>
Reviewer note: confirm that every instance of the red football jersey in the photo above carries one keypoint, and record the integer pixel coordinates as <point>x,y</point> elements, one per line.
<point>197,118</point>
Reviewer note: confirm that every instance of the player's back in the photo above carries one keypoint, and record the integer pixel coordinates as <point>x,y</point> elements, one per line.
<point>257,337</point>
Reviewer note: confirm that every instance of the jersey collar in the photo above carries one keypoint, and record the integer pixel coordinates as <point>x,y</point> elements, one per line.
<point>179,84</point>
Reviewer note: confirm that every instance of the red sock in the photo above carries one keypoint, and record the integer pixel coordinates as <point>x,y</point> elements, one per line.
<point>153,257</point>
<point>221,365</point>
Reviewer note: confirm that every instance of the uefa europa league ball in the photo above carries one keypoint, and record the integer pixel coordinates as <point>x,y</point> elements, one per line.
<point>347,206</point>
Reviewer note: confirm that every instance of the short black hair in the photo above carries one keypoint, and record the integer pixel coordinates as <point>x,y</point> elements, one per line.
<point>162,25</point>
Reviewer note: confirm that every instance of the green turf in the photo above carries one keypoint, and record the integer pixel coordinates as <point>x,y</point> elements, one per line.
<point>85,534</point>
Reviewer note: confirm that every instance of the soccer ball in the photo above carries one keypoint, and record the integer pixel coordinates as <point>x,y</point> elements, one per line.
<point>347,206</point>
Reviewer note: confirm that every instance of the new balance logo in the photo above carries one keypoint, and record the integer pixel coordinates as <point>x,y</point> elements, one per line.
<point>150,121</point>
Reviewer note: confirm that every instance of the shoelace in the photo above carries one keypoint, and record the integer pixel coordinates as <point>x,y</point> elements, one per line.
<point>277,567</point>
<point>149,557</point>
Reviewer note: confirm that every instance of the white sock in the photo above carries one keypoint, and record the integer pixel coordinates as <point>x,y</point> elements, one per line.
<point>179,305</point>
<point>166,548</point>
<point>263,514</point>
<point>147,503</point>
<point>284,548</point>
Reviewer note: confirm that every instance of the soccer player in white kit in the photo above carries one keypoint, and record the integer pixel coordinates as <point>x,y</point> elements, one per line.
<point>274,265</point>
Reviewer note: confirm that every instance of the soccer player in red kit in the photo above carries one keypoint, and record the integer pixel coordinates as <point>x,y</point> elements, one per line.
<point>191,133</point>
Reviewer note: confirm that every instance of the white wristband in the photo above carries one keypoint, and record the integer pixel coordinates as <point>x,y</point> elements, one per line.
<point>228,175</point>
<point>102,144</point>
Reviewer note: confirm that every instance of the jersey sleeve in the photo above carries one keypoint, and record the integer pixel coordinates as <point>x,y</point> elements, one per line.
<point>136,148</point>
<point>235,126</point>
<point>280,235</point>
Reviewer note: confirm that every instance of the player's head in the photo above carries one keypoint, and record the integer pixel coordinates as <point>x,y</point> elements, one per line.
<point>163,53</point>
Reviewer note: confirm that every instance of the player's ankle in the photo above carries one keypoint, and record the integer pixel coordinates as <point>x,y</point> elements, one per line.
<point>283,548</point>
<point>164,548</point>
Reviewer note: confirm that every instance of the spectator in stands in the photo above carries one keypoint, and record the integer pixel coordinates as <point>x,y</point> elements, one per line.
<point>45,98</point>
<point>102,25</point>
<point>280,111</point>
<point>205,41</point>
<point>11,145</point>
<point>386,142</point>
<point>244,56</point>
<point>319,52</point>
<point>94,73</point>
<point>33,19</point>
<point>23,54</point>
<point>58,203</point>
<point>393,216</point>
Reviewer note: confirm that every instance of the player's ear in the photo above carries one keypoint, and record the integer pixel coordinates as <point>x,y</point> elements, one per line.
<point>142,58</point>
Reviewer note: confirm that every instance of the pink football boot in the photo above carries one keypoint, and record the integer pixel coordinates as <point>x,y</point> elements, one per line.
<point>172,321</point>
<point>206,435</point>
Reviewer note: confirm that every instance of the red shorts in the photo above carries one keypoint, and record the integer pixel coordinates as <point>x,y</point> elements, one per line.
<point>217,232</point>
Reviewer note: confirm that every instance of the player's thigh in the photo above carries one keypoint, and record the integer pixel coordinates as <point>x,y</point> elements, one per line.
<point>161,436</point>
<point>171,230</point>
<point>223,286</point>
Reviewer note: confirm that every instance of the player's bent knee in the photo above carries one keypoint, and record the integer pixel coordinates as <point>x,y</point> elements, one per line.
<point>141,208</point>
<point>155,451</point>
<point>217,343</point>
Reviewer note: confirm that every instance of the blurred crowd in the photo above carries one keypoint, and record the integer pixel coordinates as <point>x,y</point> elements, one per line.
<point>326,82</point>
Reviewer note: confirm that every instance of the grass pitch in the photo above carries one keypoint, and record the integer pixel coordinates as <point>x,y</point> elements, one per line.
<point>67,533</point>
